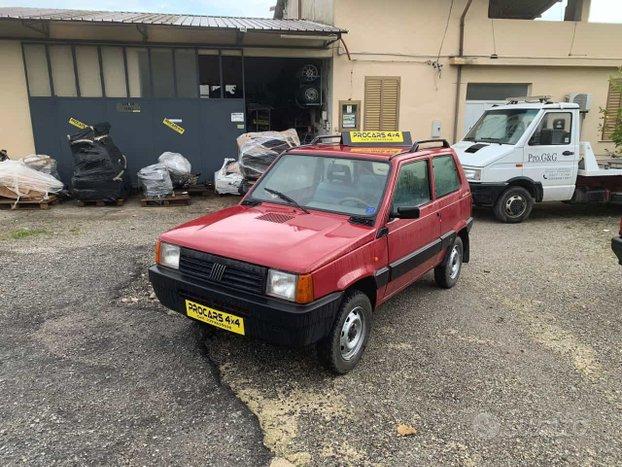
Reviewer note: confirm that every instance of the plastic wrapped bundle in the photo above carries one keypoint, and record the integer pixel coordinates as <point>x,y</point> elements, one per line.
<point>42,163</point>
<point>175,163</point>
<point>155,180</point>
<point>179,168</point>
<point>99,166</point>
<point>228,179</point>
<point>258,150</point>
<point>18,181</point>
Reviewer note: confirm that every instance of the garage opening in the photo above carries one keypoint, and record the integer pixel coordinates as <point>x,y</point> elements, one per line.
<point>283,93</point>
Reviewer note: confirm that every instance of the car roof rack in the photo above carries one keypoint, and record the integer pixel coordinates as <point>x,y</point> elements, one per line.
<point>320,138</point>
<point>530,99</point>
<point>416,144</point>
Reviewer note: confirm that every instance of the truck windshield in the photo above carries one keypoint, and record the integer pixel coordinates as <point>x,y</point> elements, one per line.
<point>503,126</point>
<point>346,186</point>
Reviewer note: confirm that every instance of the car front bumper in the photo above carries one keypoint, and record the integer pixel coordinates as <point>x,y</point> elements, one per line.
<point>271,320</point>
<point>616,246</point>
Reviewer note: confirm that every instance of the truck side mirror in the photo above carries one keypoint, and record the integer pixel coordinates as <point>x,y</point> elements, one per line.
<point>408,212</point>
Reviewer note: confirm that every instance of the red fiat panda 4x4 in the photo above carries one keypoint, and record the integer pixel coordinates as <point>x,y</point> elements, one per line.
<point>328,233</point>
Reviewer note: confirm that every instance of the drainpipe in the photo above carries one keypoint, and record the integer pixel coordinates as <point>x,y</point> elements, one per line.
<point>459,77</point>
<point>299,9</point>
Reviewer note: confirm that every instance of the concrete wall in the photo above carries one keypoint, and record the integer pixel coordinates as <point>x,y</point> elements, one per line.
<point>15,127</point>
<point>402,37</point>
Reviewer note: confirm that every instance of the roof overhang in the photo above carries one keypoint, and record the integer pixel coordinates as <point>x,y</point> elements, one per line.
<point>93,26</point>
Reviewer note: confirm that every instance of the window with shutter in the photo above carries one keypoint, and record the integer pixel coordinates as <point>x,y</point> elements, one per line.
<point>382,99</point>
<point>613,110</point>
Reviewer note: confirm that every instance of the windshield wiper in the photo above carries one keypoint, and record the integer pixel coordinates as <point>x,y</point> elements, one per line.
<point>287,199</point>
<point>251,202</point>
<point>491,140</point>
<point>362,220</point>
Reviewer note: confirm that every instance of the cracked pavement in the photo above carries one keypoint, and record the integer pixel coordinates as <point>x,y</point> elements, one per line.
<point>519,363</point>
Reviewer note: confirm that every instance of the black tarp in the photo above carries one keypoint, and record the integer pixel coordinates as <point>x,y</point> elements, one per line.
<point>100,169</point>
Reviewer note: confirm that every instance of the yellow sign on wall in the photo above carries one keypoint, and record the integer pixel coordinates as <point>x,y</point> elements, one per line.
<point>377,136</point>
<point>174,126</point>
<point>77,123</point>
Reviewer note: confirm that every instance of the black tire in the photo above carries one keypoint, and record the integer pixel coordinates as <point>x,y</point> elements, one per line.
<point>514,205</point>
<point>332,354</point>
<point>447,273</point>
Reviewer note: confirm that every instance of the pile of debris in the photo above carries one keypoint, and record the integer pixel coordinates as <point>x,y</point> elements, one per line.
<point>256,152</point>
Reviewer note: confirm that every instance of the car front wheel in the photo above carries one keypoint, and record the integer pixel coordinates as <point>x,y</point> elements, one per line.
<point>514,205</point>
<point>342,349</point>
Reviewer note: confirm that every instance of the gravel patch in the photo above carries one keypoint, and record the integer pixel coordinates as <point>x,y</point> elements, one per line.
<point>519,363</point>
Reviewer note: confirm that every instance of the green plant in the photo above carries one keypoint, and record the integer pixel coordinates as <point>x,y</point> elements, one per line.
<point>23,233</point>
<point>612,119</point>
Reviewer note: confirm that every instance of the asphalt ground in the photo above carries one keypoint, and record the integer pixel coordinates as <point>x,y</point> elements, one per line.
<point>521,362</point>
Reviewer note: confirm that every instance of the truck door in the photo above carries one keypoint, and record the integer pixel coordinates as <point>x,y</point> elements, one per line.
<point>414,244</point>
<point>552,155</point>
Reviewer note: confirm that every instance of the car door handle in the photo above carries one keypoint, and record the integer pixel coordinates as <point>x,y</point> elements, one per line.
<point>567,153</point>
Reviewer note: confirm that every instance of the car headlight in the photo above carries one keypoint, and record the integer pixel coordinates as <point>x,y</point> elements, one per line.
<point>289,286</point>
<point>473,174</point>
<point>167,255</point>
<point>282,285</point>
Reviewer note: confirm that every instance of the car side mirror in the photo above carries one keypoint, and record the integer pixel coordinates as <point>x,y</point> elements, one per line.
<point>408,212</point>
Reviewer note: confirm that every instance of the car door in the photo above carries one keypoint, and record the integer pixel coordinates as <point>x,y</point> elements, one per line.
<point>413,243</point>
<point>447,193</point>
<point>552,155</point>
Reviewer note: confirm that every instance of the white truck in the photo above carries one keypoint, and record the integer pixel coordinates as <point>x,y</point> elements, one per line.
<point>528,151</point>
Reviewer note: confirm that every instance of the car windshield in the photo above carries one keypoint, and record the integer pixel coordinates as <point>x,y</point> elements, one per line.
<point>503,126</point>
<point>347,186</point>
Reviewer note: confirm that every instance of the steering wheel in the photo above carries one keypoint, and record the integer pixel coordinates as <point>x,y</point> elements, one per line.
<point>351,199</point>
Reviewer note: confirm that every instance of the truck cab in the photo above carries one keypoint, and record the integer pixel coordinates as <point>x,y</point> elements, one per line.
<point>329,232</point>
<point>529,151</point>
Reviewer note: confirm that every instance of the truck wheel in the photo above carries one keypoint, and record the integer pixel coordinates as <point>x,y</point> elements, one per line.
<point>341,350</point>
<point>447,273</point>
<point>514,205</point>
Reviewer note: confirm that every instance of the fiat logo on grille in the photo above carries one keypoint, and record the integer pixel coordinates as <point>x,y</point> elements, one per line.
<point>218,270</point>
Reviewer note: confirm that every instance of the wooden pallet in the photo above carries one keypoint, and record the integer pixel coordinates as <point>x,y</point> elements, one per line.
<point>177,199</point>
<point>101,202</point>
<point>198,190</point>
<point>7,203</point>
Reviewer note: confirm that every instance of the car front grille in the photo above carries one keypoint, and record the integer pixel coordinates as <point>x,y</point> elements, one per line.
<point>212,269</point>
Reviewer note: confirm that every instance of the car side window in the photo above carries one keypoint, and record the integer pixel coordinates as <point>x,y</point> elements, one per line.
<point>446,178</point>
<point>413,185</point>
<point>554,129</point>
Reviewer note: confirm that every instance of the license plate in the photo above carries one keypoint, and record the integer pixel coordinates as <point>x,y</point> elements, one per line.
<point>217,318</point>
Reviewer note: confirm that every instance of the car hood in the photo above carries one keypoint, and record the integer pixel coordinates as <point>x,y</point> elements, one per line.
<point>486,155</point>
<point>271,235</point>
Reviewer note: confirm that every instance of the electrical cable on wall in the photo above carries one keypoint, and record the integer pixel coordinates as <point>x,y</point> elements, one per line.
<point>574,33</point>
<point>494,39</point>
<point>437,65</point>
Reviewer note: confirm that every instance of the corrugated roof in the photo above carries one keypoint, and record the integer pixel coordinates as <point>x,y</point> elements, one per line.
<point>197,21</point>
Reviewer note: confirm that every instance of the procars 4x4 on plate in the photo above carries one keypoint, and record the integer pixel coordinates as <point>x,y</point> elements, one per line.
<point>328,233</point>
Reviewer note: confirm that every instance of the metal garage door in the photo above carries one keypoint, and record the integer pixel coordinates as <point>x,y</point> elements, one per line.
<point>136,89</point>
